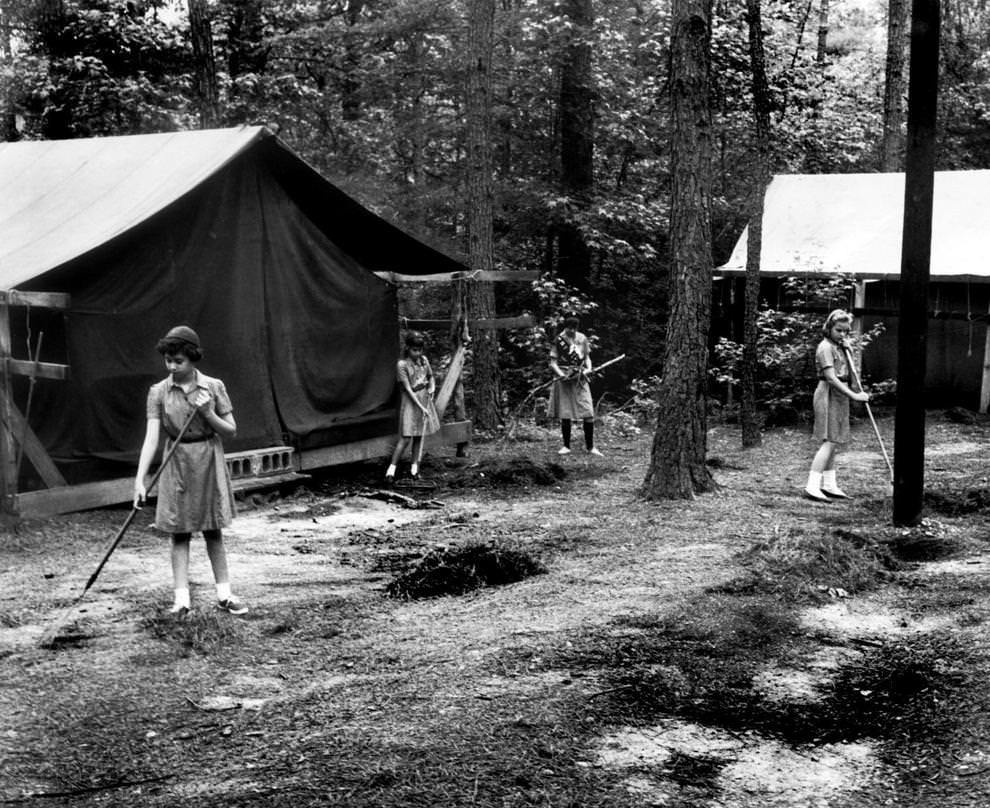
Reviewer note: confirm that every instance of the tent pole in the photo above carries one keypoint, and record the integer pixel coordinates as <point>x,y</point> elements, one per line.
<point>8,479</point>
<point>985,385</point>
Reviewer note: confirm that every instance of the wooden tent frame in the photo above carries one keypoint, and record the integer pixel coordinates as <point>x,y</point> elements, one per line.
<point>251,469</point>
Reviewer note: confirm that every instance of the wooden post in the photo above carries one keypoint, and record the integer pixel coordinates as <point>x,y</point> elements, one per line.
<point>8,474</point>
<point>916,248</point>
<point>985,386</point>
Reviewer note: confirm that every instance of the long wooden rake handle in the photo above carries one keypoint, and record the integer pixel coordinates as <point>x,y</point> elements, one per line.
<point>869,412</point>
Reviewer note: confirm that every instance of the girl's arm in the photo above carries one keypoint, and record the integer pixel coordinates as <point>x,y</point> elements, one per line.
<point>842,387</point>
<point>148,449</point>
<point>206,404</point>
<point>406,386</point>
<point>433,379</point>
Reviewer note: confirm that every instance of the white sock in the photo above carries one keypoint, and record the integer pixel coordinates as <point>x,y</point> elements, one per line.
<point>414,469</point>
<point>391,470</point>
<point>182,598</point>
<point>814,481</point>
<point>223,591</point>
<point>828,479</point>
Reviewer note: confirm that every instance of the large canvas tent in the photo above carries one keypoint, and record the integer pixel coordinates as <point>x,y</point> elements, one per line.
<point>818,224</point>
<point>227,231</point>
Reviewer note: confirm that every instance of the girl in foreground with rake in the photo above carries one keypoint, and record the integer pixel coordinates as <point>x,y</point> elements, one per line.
<point>831,403</point>
<point>194,491</point>
<point>417,412</point>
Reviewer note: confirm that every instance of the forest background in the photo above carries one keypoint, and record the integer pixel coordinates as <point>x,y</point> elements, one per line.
<point>375,95</point>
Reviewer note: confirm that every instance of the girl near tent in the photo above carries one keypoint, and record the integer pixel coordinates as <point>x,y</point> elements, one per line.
<point>831,403</point>
<point>417,413</point>
<point>194,491</point>
<point>570,398</point>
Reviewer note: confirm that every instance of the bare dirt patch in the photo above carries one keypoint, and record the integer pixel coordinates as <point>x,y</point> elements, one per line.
<point>746,648</point>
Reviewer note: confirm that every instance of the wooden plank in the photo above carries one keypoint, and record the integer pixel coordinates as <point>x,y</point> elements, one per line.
<point>44,300</point>
<point>522,321</point>
<point>69,498</point>
<point>34,449</point>
<point>453,374</point>
<point>454,432</point>
<point>40,370</point>
<point>489,276</point>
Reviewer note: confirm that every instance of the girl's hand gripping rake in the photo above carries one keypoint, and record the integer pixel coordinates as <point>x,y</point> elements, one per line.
<point>49,638</point>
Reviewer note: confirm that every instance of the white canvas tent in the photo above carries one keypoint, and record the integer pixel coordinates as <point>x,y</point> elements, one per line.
<point>852,223</point>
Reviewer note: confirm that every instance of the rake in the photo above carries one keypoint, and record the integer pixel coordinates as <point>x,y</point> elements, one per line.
<point>50,638</point>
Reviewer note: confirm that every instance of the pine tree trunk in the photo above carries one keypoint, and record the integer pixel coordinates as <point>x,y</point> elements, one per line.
<point>481,295</point>
<point>577,132</point>
<point>822,32</point>
<point>749,417</point>
<point>677,464</point>
<point>201,33</point>
<point>892,142</point>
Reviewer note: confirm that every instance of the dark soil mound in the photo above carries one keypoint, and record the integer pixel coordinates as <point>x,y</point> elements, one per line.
<point>509,472</point>
<point>457,570</point>
<point>958,502</point>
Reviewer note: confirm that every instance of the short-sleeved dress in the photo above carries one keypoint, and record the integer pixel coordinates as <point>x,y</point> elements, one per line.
<point>412,421</point>
<point>831,405</point>
<point>570,398</point>
<point>194,491</point>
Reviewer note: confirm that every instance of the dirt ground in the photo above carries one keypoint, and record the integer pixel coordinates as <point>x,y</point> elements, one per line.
<point>645,667</point>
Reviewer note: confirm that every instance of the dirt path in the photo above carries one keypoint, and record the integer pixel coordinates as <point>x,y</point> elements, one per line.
<point>328,693</point>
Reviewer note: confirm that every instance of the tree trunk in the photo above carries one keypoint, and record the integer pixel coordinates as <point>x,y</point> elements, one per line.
<point>892,142</point>
<point>351,86</point>
<point>576,138</point>
<point>751,435</point>
<point>677,464</point>
<point>481,296</point>
<point>822,31</point>
<point>8,121</point>
<point>245,38</point>
<point>201,33</point>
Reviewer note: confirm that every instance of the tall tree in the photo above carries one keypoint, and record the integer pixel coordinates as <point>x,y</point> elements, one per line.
<point>677,463</point>
<point>892,142</point>
<point>201,31</point>
<point>481,295</point>
<point>751,434</point>
<point>822,31</point>
<point>577,138</point>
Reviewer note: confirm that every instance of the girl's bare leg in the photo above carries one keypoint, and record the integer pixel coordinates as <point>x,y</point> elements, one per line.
<point>218,556</point>
<point>400,447</point>
<point>824,459</point>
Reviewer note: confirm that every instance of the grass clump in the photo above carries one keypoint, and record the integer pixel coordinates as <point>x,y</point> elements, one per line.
<point>204,632</point>
<point>804,568</point>
<point>454,571</point>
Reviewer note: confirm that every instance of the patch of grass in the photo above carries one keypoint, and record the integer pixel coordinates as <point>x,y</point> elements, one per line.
<point>454,571</point>
<point>802,567</point>
<point>201,631</point>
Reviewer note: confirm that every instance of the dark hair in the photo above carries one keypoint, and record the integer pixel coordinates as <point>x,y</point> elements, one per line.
<point>415,340</point>
<point>571,322</point>
<point>173,346</point>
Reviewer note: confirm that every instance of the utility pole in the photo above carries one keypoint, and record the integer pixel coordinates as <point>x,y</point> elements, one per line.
<point>916,250</point>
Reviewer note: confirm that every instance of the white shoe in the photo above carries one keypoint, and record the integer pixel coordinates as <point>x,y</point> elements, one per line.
<point>835,493</point>
<point>594,450</point>
<point>563,450</point>
<point>816,494</point>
